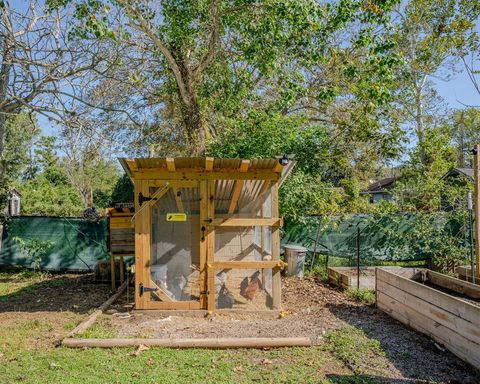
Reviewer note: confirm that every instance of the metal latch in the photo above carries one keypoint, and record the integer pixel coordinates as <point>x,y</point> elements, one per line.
<point>146,289</point>
<point>142,199</point>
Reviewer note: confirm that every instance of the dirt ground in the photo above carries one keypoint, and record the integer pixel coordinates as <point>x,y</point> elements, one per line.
<point>313,309</point>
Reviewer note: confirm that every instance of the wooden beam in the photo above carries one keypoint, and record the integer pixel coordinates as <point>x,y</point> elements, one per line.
<point>210,236</point>
<point>203,242</point>
<point>85,324</point>
<point>278,167</point>
<point>160,293</point>
<point>476,178</point>
<point>209,163</point>
<point>191,174</point>
<point>178,198</point>
<point>245,164</point>
<point>170,164</point>
<point>253,264</point>
<point>218,343</point>
<point>236,194</point>
<point>174,183</point>
<point>247,222</point>
<point>276,277</point>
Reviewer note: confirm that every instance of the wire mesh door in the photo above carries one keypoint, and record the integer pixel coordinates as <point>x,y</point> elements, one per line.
<point>174,257</point>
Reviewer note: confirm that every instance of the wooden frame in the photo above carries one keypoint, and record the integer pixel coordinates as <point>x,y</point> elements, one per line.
<point>203,174</point>
<point>450,320</point>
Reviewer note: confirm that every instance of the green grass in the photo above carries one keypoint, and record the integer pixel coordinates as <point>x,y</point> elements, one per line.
<point>353,347</point>
<point>362,295</point>
<point>28,353</point>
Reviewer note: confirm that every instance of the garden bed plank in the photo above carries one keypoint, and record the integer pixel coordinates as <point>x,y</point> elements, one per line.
<point>458,345</point>
<point>449,320</point>
<point>456,306</point>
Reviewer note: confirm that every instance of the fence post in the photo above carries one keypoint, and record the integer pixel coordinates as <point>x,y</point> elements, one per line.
<point>358,258</point>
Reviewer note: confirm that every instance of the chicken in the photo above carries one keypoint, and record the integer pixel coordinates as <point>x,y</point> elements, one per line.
<point>249,288</point>
<point>225,298</point>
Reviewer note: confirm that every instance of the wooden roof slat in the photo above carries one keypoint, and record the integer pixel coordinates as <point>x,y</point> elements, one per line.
<point>170,164</point>
<point>209,163</point>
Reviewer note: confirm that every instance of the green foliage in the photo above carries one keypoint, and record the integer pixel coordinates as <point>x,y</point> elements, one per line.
<point>123,190</point>
<point>364,296</point>
<point>34,249</point>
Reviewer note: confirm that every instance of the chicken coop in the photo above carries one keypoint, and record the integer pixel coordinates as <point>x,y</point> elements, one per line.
<point>207,232</point>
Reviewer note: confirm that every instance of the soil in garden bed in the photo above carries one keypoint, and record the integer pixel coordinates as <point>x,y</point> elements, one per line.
<point>452,293</point>
<point>353,272</point>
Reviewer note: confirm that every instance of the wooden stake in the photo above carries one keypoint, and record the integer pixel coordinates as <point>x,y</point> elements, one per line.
<point>476,178</point>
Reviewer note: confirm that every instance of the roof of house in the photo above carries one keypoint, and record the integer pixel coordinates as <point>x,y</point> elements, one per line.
<point>381,185</point>
<point>468,172</point>
<point>15,191</point>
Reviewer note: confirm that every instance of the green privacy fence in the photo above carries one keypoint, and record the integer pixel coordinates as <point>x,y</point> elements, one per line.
<point>77,244</point>
<point>392,237</point>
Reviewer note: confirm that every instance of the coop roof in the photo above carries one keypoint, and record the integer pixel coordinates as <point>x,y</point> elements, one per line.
<point>207,168</point>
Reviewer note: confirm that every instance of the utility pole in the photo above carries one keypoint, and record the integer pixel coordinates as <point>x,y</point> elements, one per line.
<point>476,194</point>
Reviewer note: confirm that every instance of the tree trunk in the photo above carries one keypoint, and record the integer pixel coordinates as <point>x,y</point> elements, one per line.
<point>192,115</point>
<point>420,129</point>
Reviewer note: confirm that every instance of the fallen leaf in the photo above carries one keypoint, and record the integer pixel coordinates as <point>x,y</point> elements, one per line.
<point>140,349</point>
<point>239,369</point>
<point>266,361</point>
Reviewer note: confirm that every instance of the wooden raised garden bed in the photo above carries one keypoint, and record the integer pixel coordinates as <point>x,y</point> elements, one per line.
<point>442,307</point>
<point>465,274</point>
<point>346,277</point>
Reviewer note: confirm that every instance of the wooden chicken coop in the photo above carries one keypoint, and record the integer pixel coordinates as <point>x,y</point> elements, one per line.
<point>207,232</point>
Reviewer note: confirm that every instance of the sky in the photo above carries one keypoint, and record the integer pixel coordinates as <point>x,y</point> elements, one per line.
<point>458,90</point>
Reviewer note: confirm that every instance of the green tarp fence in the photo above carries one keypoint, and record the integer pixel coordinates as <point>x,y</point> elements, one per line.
<point>78,243</point>
<point>387,238</point>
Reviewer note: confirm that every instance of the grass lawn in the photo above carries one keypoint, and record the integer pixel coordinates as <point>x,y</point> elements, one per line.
<point>38,310</point>
<point>28,352</point>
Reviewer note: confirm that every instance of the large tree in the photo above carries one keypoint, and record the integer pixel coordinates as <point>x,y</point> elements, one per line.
<point>198,63</point>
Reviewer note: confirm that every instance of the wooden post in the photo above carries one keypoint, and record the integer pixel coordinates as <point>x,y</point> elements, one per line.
<point>476,178</point>
<point>203,242</point>
<point>210,234</point>
<point>142,245</point>
<point>276,277</point>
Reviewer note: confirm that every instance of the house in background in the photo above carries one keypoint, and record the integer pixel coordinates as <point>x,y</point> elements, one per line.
<point>13,203</point>
<point>456,173</point>
<point>380,190</point>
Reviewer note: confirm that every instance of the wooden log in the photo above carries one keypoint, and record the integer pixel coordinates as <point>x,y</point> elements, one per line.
<point>218,343</point>
<point>82,327</point>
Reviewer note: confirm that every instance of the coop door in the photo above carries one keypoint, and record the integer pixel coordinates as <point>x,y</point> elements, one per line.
<point>174,267</point>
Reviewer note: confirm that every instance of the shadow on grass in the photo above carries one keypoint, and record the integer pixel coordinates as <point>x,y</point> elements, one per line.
<point>414,355</point>
<point>364,379</point>
<point>50,292</point>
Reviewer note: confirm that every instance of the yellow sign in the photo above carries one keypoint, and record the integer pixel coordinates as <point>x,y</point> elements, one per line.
<point>176,217</point>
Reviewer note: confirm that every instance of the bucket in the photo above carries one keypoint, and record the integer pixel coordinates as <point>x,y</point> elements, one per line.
<point>295,255</point>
